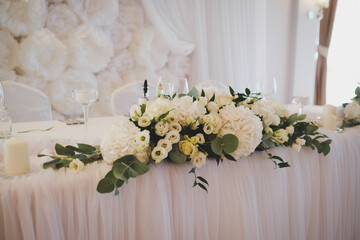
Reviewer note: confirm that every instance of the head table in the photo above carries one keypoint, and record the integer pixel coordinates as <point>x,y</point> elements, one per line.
<point>316,198</point>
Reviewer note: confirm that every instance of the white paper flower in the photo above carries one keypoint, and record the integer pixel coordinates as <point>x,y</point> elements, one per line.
<point>173,136</point>
<point>179,65</point>
<point>76,165</point>
<point>9,50</point>
<point>245,125</point>
<point>119,141</point>
<point>159,154</point>
<point>352,110</point>
<point>61,19</point>
<point>148,49</point>
<point>119,35</point>
<point>199,160</point>
<point>89,48</point>
<point>165,144</point>
<point>266,110</point>
<point>43,54</point>
<point>96,12</point>
<point>61,88</point>
<point>22,18</point>
<point>123,62</point>
<point>131,15</point>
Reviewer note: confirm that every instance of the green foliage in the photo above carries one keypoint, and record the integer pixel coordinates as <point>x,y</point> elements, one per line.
<point>199,181</point>
<point>193,93</point>
<point>176,156</point>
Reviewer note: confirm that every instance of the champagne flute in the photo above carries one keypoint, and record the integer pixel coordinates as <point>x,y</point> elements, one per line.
<point>268,88</point>
<point>86,97</point>
<point>180,85</point>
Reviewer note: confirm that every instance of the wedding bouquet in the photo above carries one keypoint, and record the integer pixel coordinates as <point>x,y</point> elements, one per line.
<point>196,127</point>
<point>352,111</point>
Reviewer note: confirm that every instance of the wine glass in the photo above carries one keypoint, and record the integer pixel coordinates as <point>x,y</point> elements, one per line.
<point>2,99</point>
<point>86,97</point>
<point>301,101</point>
<point>268,87</point>
<point>180,85</point>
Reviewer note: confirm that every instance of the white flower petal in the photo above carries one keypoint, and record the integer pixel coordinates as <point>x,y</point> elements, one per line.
<point>61,19</point>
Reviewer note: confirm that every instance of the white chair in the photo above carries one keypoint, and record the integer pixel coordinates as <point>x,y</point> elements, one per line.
<point>25,103</point>
<point>123,98</point>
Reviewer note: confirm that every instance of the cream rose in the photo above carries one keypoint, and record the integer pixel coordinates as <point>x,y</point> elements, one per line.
<point>200,138</point>
<point>173,136</point>
<point>161,128</point>
<point>199,160</point>
<point>165,144</point>
<point>175,126</point>
<point>144,121</point>
<point>188,148</point>
<point>159,154</point>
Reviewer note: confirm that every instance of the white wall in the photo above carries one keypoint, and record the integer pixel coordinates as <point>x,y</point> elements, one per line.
<point>291,45</point>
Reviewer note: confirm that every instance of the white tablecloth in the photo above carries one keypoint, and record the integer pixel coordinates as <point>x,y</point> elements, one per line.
<point>317,198</point>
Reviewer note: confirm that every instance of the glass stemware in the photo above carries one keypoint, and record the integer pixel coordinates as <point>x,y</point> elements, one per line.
<point>301,102</point>
<point>180,85</point>
<point>268,88</point>
<point>86,97</point>
<point>2,99</point>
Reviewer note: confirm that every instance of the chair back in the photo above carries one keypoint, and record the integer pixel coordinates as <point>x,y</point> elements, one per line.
<point>25,103</point>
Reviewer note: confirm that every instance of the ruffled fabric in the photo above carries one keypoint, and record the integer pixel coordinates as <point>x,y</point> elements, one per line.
<point>108,81</point>
<point>131,14</point>
<point>43,54</point>
<point>96,12</point>
<point>89,48</point>
<point>9,49</point>
<point>119,35</point>
<point>179,65</point>
<point>60,91</point>
<point>22,18</point>
<point>148,49</point>
<point>61,19</point>
<point>122,63</point>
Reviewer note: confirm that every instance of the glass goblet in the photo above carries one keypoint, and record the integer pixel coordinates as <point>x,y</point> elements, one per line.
<point>86,97</point>
<point>180,85</point>
<point>301,101</point>
<point>268,88</point>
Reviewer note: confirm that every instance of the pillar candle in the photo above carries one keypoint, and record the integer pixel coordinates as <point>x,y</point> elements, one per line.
<point>328,110</point>
<point>330,122</point>
<point>16,156</point>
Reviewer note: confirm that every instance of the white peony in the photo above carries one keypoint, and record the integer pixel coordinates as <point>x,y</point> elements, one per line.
<point>119,141</point>
<point>266,110</point>
<point>184,107</point>
<point>122,63</point>
<point>60,90</point>
<point>245,125</point>
<point>159,154</point>
<point>352,110</point>
<point>22,18</point>
<point>119,35</point>
<point>131,15</point>
<point>61,19</point>
<point>44,55</point>
<point>199,160</point>
<point>96,12</point>
<point>89,48</point>
<point>173,136</point>
<point>76,165</point>
<point>9,50</point>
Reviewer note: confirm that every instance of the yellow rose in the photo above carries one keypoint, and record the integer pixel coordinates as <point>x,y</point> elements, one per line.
<point>188,148</point>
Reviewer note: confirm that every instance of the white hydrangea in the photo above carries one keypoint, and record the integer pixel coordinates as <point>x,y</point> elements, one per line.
<point>245,125</point>
<point>266,110</point>
<point>44,55</point>
<point>352,110</point>
<point>184,108</point>
<point>60,90</point>
<point>61,19</point>
<point>96,12</point>
<point>9,50</point>
<point>121,141</point>
<point>22,18</point>
<point>89,48</point>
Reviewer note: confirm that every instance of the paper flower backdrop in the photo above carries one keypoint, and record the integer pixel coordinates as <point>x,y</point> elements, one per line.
<point>56,45</point>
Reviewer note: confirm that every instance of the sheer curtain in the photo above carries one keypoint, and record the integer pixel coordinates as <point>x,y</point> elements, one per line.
<point>227,37</point>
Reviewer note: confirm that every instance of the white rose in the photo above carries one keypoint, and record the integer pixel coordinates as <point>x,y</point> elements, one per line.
<point>290,129</point>
<point>76,165</point>
<point>135,112</point>
<point>159,154</point>
<point>212,107</point>
<point>199,160</point>
<point>200,138</point>
<point>161,128</point>
<point>173,136</point>
<point>175,126</point>
<point>144,121</point>
<point>164,143</point>
<point>208,128</point>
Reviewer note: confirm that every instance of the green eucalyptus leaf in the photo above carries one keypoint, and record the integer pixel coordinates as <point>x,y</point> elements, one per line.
<point>119,183</point>
<point>267,136</point>
<point>193,93</point>
<point>61,150</point>
<point>46,165</point>
<point>202,186</point>
<point>195,183</point>
<point>293,118</point>
<point>283,164</point>
<point>105,185</point>
<point>203,180</point>
<point>176,156</point>
<point>301,117</point>
<point>116,191</point>
<point>216,146</point>
<point>230,143</point>
<point>85,148</point>
<point>277,157</point>
<point>268,143</point>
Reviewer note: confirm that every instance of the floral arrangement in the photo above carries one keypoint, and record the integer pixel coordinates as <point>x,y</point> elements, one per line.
<point>352,111</point>
<point>195,127</point>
